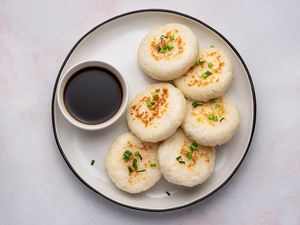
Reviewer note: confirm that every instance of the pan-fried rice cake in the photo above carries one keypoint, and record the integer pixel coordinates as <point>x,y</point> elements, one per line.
<point>211,123</point>
<point>156,113</point>
<point>168,51</point>
<point>184,162</point>
<point>209,78</point>
<point>132,164</point>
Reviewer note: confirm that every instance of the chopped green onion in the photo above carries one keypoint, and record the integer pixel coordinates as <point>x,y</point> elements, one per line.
<point>213,117</point>
<point>134,164</point>
<point>126,155</point>
<point>212,100</point>
<point>149,104</point>
<point>182,162</point>
<point>189,155</point>
<point>206,74</point>
<point>210,65</point>
<point>170,47</point>
<point>178,158</point>
<point>138,155</point>
<point>199,62</point>
<point>193,146</point>
<point>172,38</point>
<point>165,47</point>
<point>155,96</point>
<point>92,162</point>
<point>140,171</point>
<point>130,169</point>
<point>221,119</point>
<point>153,164</point>
<point>218,105</point>
<point>212,46</point>
<point>197,103</point>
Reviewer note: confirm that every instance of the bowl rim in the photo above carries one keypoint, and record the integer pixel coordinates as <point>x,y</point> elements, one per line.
<point>70,73</point>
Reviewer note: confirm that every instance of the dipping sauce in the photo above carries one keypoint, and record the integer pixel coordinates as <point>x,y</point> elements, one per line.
<point>93,95</point>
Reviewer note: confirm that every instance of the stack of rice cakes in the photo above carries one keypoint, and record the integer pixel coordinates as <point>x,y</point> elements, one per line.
<point>174,130</point>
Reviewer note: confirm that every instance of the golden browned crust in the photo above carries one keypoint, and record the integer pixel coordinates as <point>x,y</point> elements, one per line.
<point>194,76</point>
<point>213,107</point>
<point>157,43</point>
<point>142,164</point>
<point>147,115</point>
<point>201,152</point>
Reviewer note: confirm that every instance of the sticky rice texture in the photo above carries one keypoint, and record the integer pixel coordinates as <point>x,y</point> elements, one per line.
<point>196,87</point>
<point>213,123</point>
<point>193,171</point>
<point>174,62</point>
<point>159,121</point>
<point>118,170</point>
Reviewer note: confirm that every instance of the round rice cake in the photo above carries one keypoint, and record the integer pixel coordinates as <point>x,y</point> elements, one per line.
<point>157,112</point>
<point>168,51</point>
<point>211,123</point>
<point>209,78</point>
<point>184,162</point>
<point>132,165</point>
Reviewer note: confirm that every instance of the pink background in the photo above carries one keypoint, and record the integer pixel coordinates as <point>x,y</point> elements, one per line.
<point>37,187</point>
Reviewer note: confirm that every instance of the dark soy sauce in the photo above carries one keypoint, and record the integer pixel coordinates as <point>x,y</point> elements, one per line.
<point>93,95</point>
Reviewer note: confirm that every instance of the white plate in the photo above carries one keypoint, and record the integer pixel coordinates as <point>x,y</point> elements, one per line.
<point>116,41</point>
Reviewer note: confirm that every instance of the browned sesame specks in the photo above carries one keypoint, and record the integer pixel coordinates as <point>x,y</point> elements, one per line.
<point>147,115</point>
<point>201,152</point>
<point>164,40</point>
<point>193,76</point>
<point>201,114</point>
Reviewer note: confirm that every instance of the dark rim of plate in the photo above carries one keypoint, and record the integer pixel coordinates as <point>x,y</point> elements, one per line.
<point>183,15</point>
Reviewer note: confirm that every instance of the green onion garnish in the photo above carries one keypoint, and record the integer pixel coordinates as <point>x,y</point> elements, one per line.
<point>221,119</point>
<point>178,158</point>
<point>170,47</point>
<point>213,117</point>
<point>206,74</point>
<point>140,171</point>
<point>155,96</point>
<point>182,162</point>
<point>134,164</point>
<point>126,155</point>
<point>149,104</point>
<point>92,162</point>
<point>172,38</point>
<point>189,155</point>
<point>210,64</point>
<point>212,46</point>
<point>212,100</point>
<point>153,164</point>
<point>193,146</point>
<point>130,169</point>
<point>199,62</point>
<point>163,51</point>
<point>165,47</point>
<point>138,155</point>
<point>197,103</point>
<point>218,105</point>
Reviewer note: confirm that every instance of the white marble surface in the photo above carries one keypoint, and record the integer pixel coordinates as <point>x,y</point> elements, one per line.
<point>37,186</point>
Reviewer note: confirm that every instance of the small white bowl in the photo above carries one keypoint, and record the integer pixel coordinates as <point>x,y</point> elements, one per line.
<point>64,80</point>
